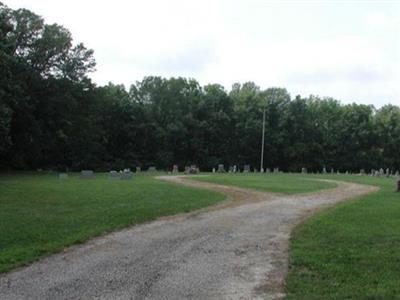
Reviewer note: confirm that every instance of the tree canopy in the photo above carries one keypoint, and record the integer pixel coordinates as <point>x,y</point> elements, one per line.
<point>53,116</point>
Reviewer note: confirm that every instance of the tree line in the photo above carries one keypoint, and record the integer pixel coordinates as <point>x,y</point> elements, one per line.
<point>53,116</point>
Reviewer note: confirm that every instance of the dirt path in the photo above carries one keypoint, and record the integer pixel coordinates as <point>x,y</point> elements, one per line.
<point>235,250</point>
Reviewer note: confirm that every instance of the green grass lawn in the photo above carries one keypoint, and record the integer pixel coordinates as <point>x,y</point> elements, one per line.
<point>276,183</point>
<point>351,251</point>
<point>40,214</point>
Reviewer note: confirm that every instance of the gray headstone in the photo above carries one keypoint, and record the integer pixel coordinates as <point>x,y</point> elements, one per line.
<point>87,174</point>
<point>175,169</point>
<point>152,169</point>
<point>246,169</point>
<point>126,174</point>
<point>234,169</point>
<point>138,169</point>
<point>276,170</point>
<point>304,170</point>
<point>213,170</point>
<point>62,176</point>
<point>324,170</point>
<point>113,175</point>
<point>221,168</point>
<point>268,170</point>
<point>193,169</point>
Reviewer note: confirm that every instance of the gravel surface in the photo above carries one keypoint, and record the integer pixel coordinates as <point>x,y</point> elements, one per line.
<point>234,250</point>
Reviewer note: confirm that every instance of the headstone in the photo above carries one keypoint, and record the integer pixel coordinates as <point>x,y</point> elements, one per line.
<point>377,173</point>
<point>381,172</point>
<point>246,169</point>
<point>175,169</point>
<point>87,174</point>
<point>62,176</point>
<point>193,169</point>
<point>396,174</point>
<point>304,170</point>
<point>262,170</point>
<point>387,172</point>
<point>324,170</point>
<point>152,169</point>
<point>230,169</point>
<point>398,186</point>
<point>338,172</point>
<point>138,169</point>
<point>234,169</point>
<point>332,171</point>
<point>113,175</point>
<point>347,172</point>
<point>276,170</point>
<point>255,170</point>
<point>126,174</point>
<point>213,170</point>
<point>221,168</point>
<point>268,170</point>
<point>362,172</point>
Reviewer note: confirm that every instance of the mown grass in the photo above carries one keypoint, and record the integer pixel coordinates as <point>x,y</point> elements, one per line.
<point>351,251</point>
<point>276,183</point>
<point>40,214</point>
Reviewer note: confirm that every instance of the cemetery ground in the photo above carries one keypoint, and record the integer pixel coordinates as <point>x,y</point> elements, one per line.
<point>41,214</point>
<point>347,251</point>
<point>276,183</point>
<point>350,251</point>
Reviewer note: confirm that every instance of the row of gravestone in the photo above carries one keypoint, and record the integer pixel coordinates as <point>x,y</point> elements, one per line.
<point>246,169</point>
<point>377,173</point>
<point>193,169</point>
<point>123,174</point>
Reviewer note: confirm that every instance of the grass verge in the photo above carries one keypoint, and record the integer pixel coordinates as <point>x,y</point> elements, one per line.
<point>351,251</point>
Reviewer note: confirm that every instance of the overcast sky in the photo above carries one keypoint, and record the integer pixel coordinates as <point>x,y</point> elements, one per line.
<point>349,50</point>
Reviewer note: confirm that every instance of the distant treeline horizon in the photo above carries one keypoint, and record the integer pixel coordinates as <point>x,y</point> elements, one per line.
<point>53,117</point>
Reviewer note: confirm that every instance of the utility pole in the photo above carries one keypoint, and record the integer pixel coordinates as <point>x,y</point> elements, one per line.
<point>262,142</point>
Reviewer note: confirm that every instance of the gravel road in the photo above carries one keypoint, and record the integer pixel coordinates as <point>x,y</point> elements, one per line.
<point>234,250</point>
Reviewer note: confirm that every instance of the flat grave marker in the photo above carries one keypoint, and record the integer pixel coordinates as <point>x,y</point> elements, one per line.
<point>62,176</point>
<point>87,174</point>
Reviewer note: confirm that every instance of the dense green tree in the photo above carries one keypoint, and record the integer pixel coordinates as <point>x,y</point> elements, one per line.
<point>52,116</point>
<point>387,126</point>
